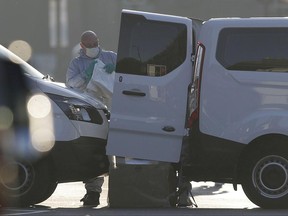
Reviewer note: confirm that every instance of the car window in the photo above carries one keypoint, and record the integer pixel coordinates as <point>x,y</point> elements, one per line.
<point>150,48</point>
<point>253,49</point>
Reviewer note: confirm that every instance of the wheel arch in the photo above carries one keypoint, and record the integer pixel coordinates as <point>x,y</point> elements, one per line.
<point>263,171</point>
<point>262,142</point>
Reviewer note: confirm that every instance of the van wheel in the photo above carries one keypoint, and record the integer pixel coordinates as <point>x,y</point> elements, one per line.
<point>265,177</point>
<point>28,184</point>
<point>48,190</point>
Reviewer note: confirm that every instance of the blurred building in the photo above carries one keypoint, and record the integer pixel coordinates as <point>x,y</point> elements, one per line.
<point>53,27</point>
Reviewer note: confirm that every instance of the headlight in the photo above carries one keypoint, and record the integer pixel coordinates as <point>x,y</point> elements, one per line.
<point>76,109</point>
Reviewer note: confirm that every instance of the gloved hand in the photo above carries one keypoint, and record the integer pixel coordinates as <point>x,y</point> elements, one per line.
<point>89,71</point>
<point>109,68</point>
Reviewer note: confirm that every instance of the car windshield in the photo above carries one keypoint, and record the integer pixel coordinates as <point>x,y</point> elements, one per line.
<point>28,69</point>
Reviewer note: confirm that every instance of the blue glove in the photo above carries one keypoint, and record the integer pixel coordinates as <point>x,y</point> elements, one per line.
<point>89,70</point>
<point>109,68</point>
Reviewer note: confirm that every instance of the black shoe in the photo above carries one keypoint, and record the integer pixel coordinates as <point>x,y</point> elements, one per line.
<point>186,198</point>
<point>91,199</point>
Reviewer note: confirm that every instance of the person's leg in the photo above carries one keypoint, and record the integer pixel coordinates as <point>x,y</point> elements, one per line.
<point>184,184</point>
<point>93,189</point>
<point>185,192</point>
<point>94,184</point>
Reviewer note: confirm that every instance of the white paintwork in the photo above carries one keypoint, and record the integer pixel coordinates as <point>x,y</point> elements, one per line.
<point>136,125</point>
<point>236,105</point>
<point>64,128</point>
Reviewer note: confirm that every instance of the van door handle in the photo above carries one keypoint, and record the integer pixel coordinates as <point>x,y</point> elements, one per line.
<point>168,129</point>
<point>134,93</point>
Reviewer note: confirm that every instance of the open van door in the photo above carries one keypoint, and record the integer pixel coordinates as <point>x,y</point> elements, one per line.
<point>153,72</point>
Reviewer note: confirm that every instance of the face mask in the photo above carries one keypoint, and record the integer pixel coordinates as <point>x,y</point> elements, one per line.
<point>92,52</point>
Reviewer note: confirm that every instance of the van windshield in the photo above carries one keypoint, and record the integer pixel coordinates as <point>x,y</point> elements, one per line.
<point>253,49</point>
<point>28,69</point>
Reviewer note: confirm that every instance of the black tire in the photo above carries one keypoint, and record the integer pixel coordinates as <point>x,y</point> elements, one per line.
<point>34,183</point>
<point>265,176</point>
<point>46,192</point>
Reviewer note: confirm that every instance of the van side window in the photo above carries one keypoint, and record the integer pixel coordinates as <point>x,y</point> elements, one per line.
<point>253,49</point>
<point>150,48</point>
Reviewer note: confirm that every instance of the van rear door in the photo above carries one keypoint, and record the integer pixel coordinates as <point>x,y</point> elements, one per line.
<point>153,72</point>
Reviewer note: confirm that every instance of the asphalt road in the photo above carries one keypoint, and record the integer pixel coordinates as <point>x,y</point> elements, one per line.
<point>211,199</point>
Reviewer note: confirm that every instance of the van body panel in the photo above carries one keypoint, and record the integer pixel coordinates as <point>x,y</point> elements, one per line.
<point>235,95</point>
<point>241,105</point>
<point>150,91</point>
<point>69,130</point>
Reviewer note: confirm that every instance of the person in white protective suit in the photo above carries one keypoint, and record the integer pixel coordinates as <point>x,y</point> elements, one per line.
<point>78,75</point>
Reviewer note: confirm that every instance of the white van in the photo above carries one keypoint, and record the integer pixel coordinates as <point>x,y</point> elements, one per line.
<point>230,96</point>
<point>79,134</point>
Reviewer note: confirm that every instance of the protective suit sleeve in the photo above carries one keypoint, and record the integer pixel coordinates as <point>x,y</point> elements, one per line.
<point>74,77</point>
